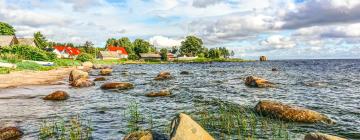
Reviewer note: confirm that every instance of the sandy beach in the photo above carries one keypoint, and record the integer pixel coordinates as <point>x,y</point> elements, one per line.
<point>25,78</point>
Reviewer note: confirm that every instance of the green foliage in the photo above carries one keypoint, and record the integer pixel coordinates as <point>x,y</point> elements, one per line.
<point>66,62</point>
<point>221,52</point>
<point>40,40</point>
<point>163,53</point>
<point>73,129</point>
<point>27,52</point>
<point>192,46</point>
<point>6,29</point>
<point>5,70</point>
<point>11,58</point>
<point>136,120</point>
<point>141,46</point>
<point>133,56</point>
<point>83,57</point>
<point>32,66</point>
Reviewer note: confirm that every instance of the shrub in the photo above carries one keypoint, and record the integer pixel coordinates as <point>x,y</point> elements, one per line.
<point>27,52</point>
<point>83,57</point>
<point>32,66</point>
<point>66,62</point>
<point>11,58</point>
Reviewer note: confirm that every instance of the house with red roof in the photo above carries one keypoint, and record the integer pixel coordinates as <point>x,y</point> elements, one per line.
<point>66,52</point>
<point>113,52</point>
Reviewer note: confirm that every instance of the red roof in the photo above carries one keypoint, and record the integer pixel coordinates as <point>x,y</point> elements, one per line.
<point>69,50</point>
<point>121,50</point>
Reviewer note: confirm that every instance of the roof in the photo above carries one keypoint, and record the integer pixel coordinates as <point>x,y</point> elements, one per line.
<point>26,41</point>
<point>69,50</point>
<point>121,50</point>
<point>109,54</point>
<point>151,55</point>
<point>5,40</point>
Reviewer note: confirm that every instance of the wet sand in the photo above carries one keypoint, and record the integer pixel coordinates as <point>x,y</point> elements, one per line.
<point>25,78</point>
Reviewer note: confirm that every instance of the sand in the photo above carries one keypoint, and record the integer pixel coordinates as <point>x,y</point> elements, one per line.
<point>25,78</point>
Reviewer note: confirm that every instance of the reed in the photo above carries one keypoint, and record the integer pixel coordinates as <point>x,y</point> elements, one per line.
<point>63,129</point>
<point>136,120</point>
<point>230,121</point>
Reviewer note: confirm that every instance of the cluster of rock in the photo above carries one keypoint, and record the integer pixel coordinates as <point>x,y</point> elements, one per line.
<point>79,78</point>
<point>163,76</point>
<point>10,133</point>
<point>57,96</point>
<point>253,81</point>
<point>160,93</point>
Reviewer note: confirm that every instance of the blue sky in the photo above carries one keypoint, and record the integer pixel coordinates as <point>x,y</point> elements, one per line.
<point>280,29</point>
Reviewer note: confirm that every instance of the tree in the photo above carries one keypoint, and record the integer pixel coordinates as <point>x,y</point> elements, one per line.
<point>224,52</point>
<point>163,53</point>
<point>126,43</point>
<point>40,40</point>
<point>111,42</point>
<point>214,53</point>
<point>141,46</point>
<point>6,29</point>
<point>232,53</point>
<point>192,46</point>
<point>174,49</point>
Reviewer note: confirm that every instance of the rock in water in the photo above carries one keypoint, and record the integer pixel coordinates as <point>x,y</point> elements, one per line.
<point>105,72</point>
<point>290,113</point>
<point>321,136</point>
<point>184,73</point>
<point>163,76</point>
<point>77,74</point>
<point>161,93</point>
<point>83,82</point>
<point>57,96</point>
<point>263,58</point>
<point>139,135</point>
<point>253,81</point>
<point>10,133</point>
<point>87,64</point>
<point>100,79</point>
<point>274,69</point>
<point>184,128</point>
<point>117,85</point>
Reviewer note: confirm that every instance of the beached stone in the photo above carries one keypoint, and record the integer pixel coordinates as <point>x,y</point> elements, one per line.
<point>290,113</point>
<point>139,135</point>
<point>10,133</point>
<point>161,93</point>
<point>263,58</point>
<point>100,79</point>
<point>274,69</point>
<point>105,72</point>
<point>82,82</point>
<point>185,128</point>
<point>57,96</point>
<point>77,74</point>
<point>87,64</point>
<point>253,81</point>
<point>321,136</point>
<point>184,72</point>
<point>117,85</point>
<point>163,76</point>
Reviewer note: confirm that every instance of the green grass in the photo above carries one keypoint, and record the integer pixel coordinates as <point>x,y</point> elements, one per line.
<point>63,129</point>
<point>230,121</point>
<point>33,66</point>
<point>5,70</point>
<point>66,62</point>
<point>136,120</point>
<point>205,60</point>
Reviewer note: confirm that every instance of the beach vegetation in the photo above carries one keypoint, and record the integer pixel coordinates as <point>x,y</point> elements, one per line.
<point>163,53</point>
<point>40,40</point>
<point>83,57</point>
<point>28,52</point>
<point>6,29</point>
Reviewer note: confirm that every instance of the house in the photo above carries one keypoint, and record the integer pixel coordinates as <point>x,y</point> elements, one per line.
<point>66,52</point>
<point>109,55</point>
<point>186,58</point>
<point>7,40</point>
<point>121,51</point>
<point>27,41</point>
<point>150,56</point>
<point>170,56</point>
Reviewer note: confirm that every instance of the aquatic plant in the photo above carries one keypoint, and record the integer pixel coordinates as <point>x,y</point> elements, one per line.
<point>72,129</point>
<point>230,121</point>
<point>136,120</point>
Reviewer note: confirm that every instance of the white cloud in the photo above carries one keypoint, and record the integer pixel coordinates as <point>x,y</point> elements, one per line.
<point>164,42</point>
<point>279,42</point>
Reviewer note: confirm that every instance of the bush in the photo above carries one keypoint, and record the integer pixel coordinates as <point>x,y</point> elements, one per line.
<point>11,58</point>
<point>133,57</point>
<point>83,57</point>
<point>27,52</point>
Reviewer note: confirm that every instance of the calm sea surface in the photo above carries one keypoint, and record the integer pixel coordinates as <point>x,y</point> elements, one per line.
<point>331,87</point>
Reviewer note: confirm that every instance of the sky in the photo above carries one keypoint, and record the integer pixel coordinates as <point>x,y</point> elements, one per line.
<point>279,29</point>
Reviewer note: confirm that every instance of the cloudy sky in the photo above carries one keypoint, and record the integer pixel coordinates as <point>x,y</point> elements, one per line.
<point>280,29</point>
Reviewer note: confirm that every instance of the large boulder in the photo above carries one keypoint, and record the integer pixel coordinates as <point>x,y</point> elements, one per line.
<point>263,58</point>
<point>100,79</point>
<point>185,128</point>
<point>253,81</point>
<point>290,113</point>
<point>10,133</point>
<point>105,72</point>
<point>163,76</point>
<point>184,72</point>
<point>82,82</point>
<point>57,96</point>
<point>161,93</point>
<point>139,135</point>
<point>321,136</point>
<point>117,85</point>
<point>77,74</point>
<point>87,64</point>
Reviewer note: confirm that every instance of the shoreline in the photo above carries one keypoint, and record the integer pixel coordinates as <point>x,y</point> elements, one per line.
<point>27,77</point>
